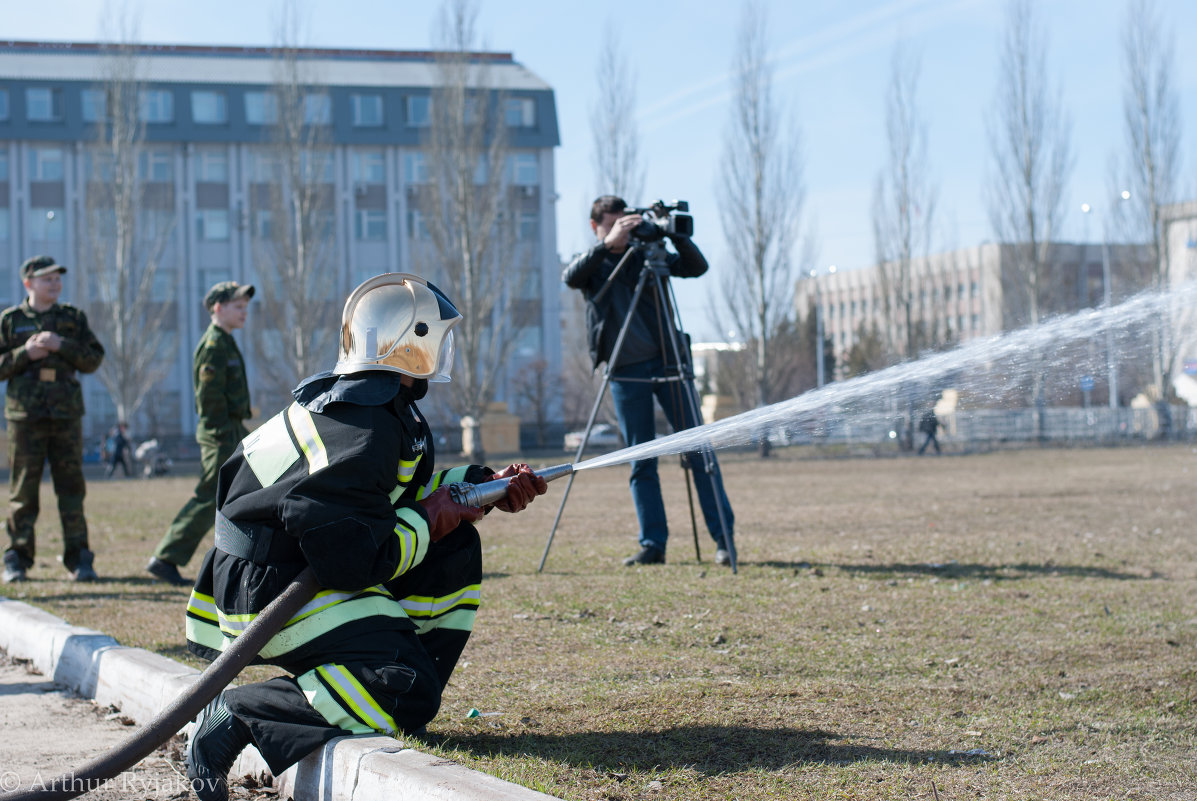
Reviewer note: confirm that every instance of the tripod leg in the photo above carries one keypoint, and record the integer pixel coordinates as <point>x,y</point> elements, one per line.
<point>693,519</point>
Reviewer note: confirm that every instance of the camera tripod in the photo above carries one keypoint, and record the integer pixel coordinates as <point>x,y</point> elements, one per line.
<point>675,353</point>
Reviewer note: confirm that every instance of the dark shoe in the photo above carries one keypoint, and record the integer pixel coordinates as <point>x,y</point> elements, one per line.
<point>84,571</point>
<point>166,571</point>
<point>14,571</point>
<point>215,742</point>
<point>648,556</point>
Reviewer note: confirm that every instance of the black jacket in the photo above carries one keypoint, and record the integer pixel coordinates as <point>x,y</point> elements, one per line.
<point>589,272</point>
<point>333,481</point>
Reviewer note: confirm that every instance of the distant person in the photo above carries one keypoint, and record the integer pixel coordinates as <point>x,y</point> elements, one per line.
<point>117,449</point>
<point>636,378</point>
<point>43,344</point>
<point>222,403</point>
<point>929,425</point>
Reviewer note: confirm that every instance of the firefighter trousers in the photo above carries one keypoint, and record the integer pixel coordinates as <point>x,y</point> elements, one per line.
<point>391,683</point>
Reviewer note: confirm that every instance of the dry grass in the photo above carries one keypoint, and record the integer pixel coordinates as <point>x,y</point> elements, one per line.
<point>1010,625</point>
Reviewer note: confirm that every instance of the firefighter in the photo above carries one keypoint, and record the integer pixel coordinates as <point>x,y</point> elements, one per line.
<point>343,480</point>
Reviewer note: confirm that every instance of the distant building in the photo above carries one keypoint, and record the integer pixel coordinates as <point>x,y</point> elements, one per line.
<point>964,294</point>
<point>208,113</point>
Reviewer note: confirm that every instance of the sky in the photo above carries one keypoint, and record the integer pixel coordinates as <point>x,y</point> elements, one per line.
<point>831,61</point>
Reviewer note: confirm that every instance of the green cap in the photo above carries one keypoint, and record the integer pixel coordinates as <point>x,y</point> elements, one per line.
<point>40,265</point>
<point>226,291</point>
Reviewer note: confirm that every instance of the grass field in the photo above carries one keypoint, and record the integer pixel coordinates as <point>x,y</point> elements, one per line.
<point>1009,625</point>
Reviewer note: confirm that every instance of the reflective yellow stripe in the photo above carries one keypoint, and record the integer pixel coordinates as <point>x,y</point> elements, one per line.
<point>356,698</point>
<point>201,632</point>
<point>202,605</point>
<point>457,620</point>
<point>269,451</point>
<point>443,477</point>
<point>428,606</point>
<point>321,622</point>
<point>309,438</point>
<point>412,530</point>
<point>407,468</point>
<point>328,705</point>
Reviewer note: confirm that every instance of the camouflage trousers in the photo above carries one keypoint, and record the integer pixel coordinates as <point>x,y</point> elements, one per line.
<point>31,443</point>
<point>198,515</point>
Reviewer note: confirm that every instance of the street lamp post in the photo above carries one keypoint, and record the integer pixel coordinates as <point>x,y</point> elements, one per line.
<point>1107,299</point>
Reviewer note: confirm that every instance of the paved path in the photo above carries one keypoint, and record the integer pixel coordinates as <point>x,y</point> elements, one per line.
<point>45,732</point>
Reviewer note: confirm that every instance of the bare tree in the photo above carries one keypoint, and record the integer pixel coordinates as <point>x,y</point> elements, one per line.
<point>129,225</point>
<point>1031,161</point>
<point>761,183</point>
<point>1151,112</point>
<point>903,204</point>
<point>467,210</point>
<point>613,128</point>
<point>291,226</point>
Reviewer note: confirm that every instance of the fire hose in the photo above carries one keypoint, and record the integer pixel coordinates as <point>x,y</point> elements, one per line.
<point>225,668</point>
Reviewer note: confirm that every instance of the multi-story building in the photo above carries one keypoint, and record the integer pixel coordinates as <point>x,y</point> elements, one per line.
<point>208,114</point>
<point>964,294</point>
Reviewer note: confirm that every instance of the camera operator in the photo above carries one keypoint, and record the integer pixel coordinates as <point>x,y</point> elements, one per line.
<point>641,361</point>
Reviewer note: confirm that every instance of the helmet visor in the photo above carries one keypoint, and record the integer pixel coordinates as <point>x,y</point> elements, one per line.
<point>444,362</point>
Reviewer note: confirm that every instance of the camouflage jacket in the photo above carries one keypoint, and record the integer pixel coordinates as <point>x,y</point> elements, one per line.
<point>221,389</point>
<point>47,387</point>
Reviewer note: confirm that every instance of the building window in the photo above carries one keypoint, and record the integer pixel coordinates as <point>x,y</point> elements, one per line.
<point>3,104</point>
<point>264,168</point>
<point>369,167</point>
<point>212,166</point>
<point>261,108</point>
<point>419,111</point>
<point>209,108</point>
<point>317,166</point>
<point>3,164</point>
<point>523,169</point>
<point>528,226</point>
<point>45,164</point>
<point>47,225</point>
<point>4,229</point>
<point>212,225</point>
<point>973,289</point>
<point>519,112</point>
<point>370,225</point>
<point>156,166</point>
<point>263,223</point>
<point>157,106</point>
<point>317,109</point>
<point>976,322</point>
<point>417,228</point>
<point>94,105</point>
<point>43,104</point>
<point>415,169</point>
<point>367,110</point>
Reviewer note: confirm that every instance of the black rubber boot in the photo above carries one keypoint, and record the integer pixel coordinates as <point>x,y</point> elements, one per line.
<point>14,571</point>
<point>217,739</point>
<point>165,571</point>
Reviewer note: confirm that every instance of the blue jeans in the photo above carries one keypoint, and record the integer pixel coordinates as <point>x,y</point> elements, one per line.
<point>634,407</point>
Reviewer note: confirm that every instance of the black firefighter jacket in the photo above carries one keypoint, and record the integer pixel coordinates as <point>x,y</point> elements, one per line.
<point>589,272</point>
<point>332,482</point>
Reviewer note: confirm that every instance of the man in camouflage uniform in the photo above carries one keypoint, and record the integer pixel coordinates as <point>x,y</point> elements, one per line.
<point>222,403</point>
<point>43,343</point>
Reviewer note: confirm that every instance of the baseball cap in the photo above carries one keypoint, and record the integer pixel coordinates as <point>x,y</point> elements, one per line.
<point>226,291</point>
<point>40,265</point>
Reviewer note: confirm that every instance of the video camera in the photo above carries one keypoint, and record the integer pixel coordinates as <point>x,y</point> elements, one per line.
<point>663,219</point>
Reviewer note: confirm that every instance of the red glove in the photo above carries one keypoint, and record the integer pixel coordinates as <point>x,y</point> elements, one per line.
<point>523,487</point>
<point>445,514</point>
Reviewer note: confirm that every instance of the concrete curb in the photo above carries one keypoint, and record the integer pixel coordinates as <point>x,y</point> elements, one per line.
<point>142,684</point>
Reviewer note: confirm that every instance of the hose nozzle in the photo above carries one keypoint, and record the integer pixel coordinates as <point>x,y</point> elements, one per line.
<point>488,492</point>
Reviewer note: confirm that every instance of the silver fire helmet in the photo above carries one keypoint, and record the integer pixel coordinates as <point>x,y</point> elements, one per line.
<point>401,323</point>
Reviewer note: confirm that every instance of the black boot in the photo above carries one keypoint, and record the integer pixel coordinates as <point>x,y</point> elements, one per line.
<point>14,570</point>
<point>84,569</point>
<point>216,740</point>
